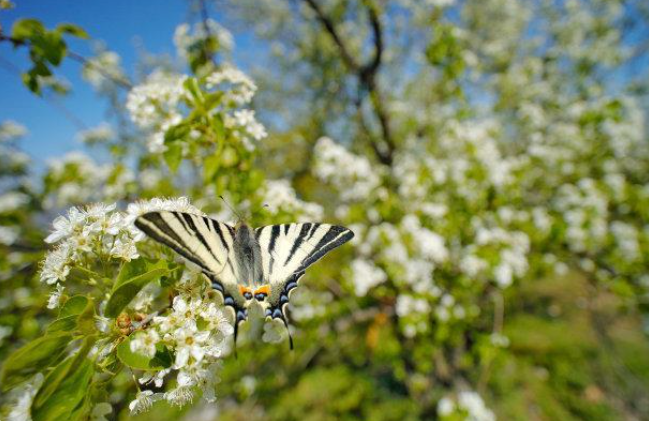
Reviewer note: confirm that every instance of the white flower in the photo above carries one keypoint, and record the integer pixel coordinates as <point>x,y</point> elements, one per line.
<point>190,342</point>
<point>406,305</point>
<point>504,275</point>
<point>179,396</point>
<point>100,411</point>
<point>445,406</point>
<point>155,101</point>
<point>56,266</point>
<point>103,70</point>
<point>96,135</point>
<point>184,39</point>
<point>12,201</point>
<point>143,401</point>
<point>157,378</point>
<point>281,197</point>
<point>472,265</point>
<point>216,319</point>
<point>55,297</point>
<point>180,204</point>
<point>366,276</point>
<point>206,380</point>
<point>144,342</point>
<point>5,331</point>
<point>475,406</point>
<point>65,227</point>
<point>241,88</point>
<point>124,249</point>
<point>21,409</point>
<point>10,130</point>
<point>353,175</point>
<point>9,235</point>
<point>274,332</point>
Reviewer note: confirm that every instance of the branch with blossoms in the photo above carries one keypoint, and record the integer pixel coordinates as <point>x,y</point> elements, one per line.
<point>122,304</point>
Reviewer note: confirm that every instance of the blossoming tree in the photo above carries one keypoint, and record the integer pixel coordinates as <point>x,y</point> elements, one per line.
<point>495,176</point>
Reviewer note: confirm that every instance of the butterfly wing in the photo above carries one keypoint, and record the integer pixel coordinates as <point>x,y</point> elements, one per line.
<point>287,251</point>
<point>204,241</point>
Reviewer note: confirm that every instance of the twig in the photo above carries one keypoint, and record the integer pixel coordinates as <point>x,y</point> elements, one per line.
<point>74,56</point>
<point>76,121</point>
<point>366,74</point>
<point>208,33</point>
<point>331,29</point>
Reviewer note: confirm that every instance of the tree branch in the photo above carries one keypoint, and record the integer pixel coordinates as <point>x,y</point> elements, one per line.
<point>209,56</point>
<point>366,74</point>
<point>328,24</point>
<point>73,56</point>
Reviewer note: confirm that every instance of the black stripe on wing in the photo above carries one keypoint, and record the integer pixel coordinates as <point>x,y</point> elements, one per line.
<point>336,236</point>
<point>193,230</point>
<point>154,225</point>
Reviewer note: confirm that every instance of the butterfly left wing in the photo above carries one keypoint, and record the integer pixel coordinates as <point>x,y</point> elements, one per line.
<point>287,251</point>
<point>204,241</point>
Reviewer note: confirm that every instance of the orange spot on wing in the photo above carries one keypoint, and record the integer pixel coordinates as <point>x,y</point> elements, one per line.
<point>263,290</point>
<point>243,290</point>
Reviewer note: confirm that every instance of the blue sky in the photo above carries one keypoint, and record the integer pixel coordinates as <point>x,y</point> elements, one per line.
<point>118,23</point>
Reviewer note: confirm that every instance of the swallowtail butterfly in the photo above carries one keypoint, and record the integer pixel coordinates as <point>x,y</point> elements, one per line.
<point>246,265</point>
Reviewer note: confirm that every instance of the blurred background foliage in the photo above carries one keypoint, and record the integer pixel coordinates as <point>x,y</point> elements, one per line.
<point>490,155</point>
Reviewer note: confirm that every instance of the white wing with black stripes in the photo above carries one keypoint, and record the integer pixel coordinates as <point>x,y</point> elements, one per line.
<point>203,241</point>
<point>288,250</point>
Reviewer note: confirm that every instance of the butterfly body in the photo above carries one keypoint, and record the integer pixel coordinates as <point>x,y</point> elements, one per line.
<point>247,253</point>
<point>260,266</point>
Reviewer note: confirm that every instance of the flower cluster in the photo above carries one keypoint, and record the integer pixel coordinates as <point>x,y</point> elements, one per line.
<point>76,178</point>
<point>97,135</point>
<point>281,197</point>
<point>103,71</point>
<point>186,37</point>
<point>468,404</point>
<point>97,231</point>
<point>193,331</point>
<point>196,331</point>
<point>11,159</point>
<point>238,90</point>
<point>238,86</point>
<point>353,174</point>
<point>154,106</point>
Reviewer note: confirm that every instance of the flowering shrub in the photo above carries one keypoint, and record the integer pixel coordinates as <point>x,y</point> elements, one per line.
<point>493,175</point>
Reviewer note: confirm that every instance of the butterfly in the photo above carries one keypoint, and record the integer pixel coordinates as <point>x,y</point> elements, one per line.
<point>246,265</point>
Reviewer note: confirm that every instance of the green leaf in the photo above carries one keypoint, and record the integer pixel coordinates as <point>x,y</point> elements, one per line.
<point>74,306</point>
<point>219,128</point>
<point>211,167</point>
<point>65,387</point>
<point>33,357</point>
<point>191,84</point>
<point>72,29</point>
<point>86,320</point>
<point>213,99</point>
<point>64,324</point>
<point>177,132</point>
<point>173,156</point>
<point>51,46</point>
<point>27,28</point>
<point>162,359</point>
<point>130,270</point>
<point>125,292</point>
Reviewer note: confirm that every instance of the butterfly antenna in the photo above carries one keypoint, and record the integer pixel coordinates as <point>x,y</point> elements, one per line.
<point>232,209</point>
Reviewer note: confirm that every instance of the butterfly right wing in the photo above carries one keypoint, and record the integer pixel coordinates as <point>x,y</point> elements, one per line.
<point>207,243</point>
